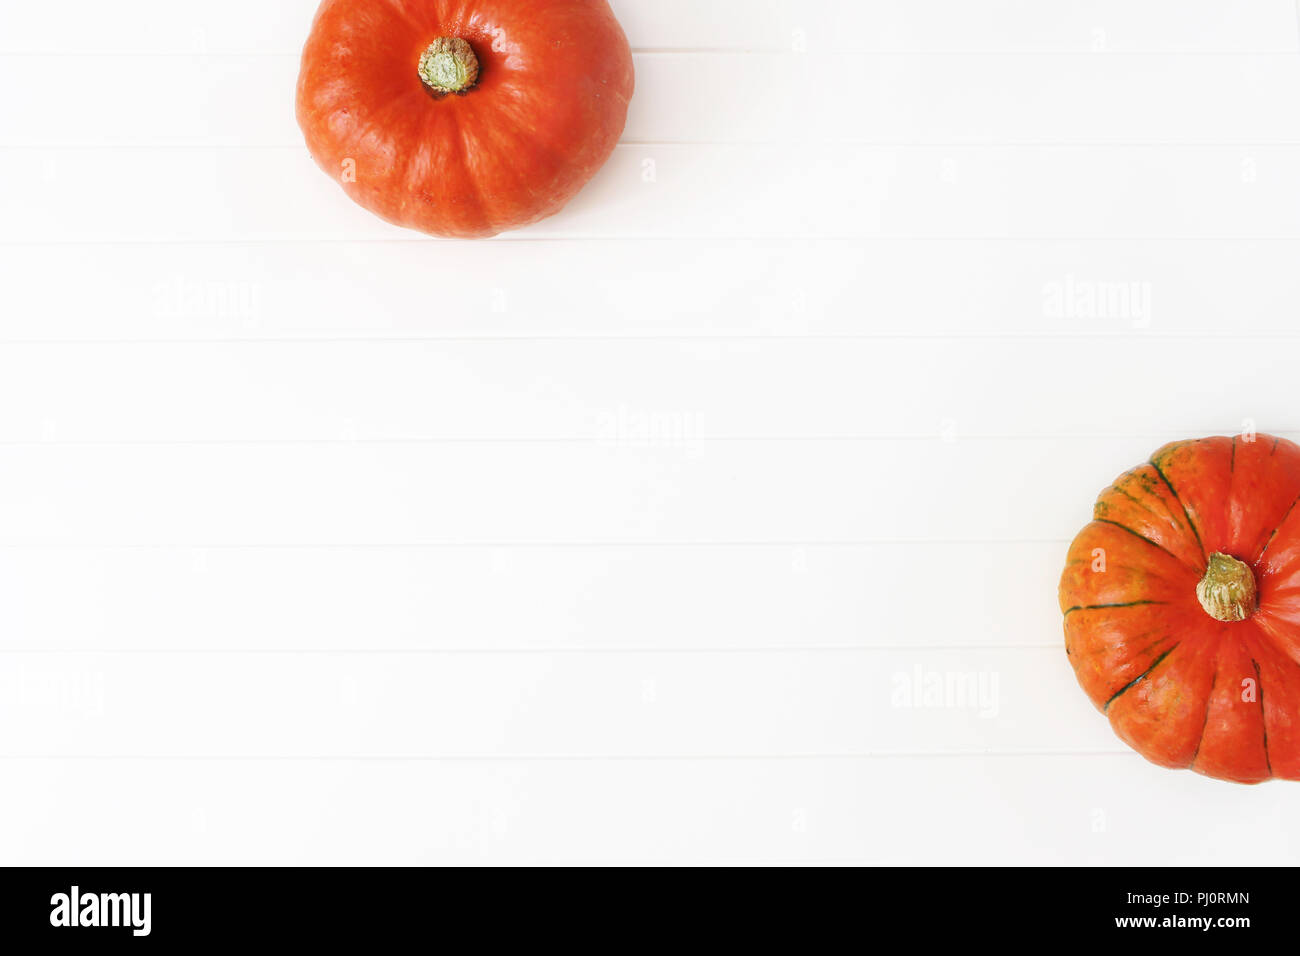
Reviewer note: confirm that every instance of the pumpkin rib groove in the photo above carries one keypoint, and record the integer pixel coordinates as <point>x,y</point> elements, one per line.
<point>1209,702</point>
<point>1186,514</point>
<point>473,189</point>
<point>1102,607</point>
<point>1263,718</point>
<point>1281,521</point>
<point>1156,544</point>
<point>377,127</point>
<point>1141,677</point>
<point>1139,653</point>
<point>514,131</point>
<point>1137,501</point>
<point>1140,503</point>
<point>1275,642</point>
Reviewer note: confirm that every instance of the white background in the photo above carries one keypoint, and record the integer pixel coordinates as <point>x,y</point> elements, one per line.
<point>617,539</point>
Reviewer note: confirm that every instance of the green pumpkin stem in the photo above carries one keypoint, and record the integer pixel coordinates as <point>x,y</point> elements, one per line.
<point>1227,592</point>
<point>448,65</point>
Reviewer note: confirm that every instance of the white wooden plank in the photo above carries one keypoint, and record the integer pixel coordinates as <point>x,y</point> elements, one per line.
<point>279,26</point>
<point>545,705</point>
<point>1039,490</point>
<point>1100,810</point>
<point>246,102</point>
<point>63,196</point>
<point>613,393</point>
<point>739,288</point>
<point>528,599</point>
<point>944,25</point>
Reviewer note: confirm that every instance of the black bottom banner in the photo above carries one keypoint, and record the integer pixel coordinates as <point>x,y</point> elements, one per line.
<point>102,908</point>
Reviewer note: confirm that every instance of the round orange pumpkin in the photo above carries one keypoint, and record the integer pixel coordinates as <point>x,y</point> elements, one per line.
<point>463,117</point>
<point>1182,607</point>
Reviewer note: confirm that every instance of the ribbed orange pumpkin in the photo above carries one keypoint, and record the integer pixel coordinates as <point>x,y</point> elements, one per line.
<point>1182,607</point>
<point>463,117</point>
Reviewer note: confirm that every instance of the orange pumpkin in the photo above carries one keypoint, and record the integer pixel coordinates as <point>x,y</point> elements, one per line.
<point>463,117</point>
<point>1182,607</point>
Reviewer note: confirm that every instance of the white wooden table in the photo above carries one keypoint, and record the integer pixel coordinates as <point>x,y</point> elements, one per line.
<point>640,548</point>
